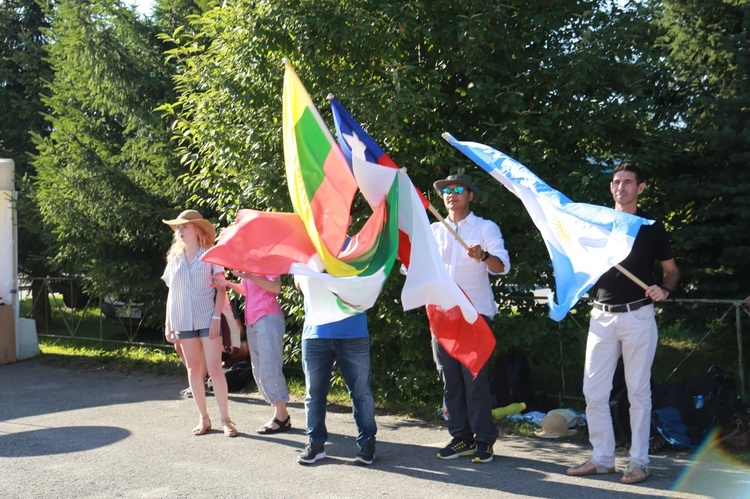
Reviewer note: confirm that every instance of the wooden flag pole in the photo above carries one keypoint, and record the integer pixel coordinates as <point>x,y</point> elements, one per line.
<point>450,229</point>
<point>631,276</point>
<point>447,226</point>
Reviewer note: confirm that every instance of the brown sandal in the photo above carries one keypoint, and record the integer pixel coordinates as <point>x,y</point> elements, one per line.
<point>229,428</point>
<point>204,424</point>
<point>636,473</point>
<point>589,468</point>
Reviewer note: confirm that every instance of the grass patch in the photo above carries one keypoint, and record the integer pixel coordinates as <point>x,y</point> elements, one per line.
<point>133,360</point>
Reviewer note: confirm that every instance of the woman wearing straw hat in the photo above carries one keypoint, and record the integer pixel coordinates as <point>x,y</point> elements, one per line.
<point>193,318</point>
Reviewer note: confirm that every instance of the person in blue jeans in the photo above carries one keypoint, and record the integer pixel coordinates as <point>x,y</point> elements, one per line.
<point>346,341</point>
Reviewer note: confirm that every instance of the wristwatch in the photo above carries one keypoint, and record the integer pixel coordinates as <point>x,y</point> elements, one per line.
<point>486,255</point>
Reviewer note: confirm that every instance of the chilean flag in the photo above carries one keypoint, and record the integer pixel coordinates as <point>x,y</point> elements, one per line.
<point>454,321</point>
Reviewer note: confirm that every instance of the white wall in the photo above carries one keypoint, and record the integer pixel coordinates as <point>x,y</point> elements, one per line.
<point>8,249</point>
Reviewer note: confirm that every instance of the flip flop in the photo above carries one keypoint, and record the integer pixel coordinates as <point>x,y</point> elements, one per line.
<point>630,478</point>
<point>282,426</point>
<point>594,469</point>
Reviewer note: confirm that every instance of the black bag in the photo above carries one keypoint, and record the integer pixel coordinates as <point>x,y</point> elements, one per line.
<point>237,376</point>
<point>511,380</point>
<point>718,404</point>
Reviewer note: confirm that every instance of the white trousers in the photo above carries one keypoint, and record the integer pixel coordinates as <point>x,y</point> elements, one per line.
<point>634,336</point>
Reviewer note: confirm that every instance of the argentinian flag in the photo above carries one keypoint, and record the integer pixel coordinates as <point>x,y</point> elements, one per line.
<point>584,241</point>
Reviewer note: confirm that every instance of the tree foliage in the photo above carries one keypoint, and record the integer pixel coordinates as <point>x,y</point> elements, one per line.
<point>553,84</point>
<point>706,48</point>
<point>107,172</point>
<point>23,72</point>
<point>567,87</point>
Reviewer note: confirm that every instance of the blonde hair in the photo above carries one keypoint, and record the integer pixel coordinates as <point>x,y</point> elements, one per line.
<point>178,247</point>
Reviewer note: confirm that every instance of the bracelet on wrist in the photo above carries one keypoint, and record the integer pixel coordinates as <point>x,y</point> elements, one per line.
<point>215,317</point>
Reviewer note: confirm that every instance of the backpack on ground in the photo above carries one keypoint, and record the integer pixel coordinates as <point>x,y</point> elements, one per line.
<point>237,376</point>
<point>684,412</point>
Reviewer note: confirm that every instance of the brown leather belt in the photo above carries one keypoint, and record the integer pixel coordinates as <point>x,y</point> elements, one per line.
<point>625,307</point>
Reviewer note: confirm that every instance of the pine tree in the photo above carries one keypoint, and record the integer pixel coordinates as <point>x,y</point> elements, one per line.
<point>107,173</point>
<point>708,99</point>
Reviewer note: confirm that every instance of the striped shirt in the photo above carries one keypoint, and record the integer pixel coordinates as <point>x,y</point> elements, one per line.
<point>191,299</point>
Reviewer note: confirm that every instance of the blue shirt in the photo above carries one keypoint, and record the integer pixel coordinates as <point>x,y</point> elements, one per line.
<point>351,327</point>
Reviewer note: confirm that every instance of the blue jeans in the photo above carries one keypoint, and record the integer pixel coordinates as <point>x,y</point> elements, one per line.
<point>353,358</point>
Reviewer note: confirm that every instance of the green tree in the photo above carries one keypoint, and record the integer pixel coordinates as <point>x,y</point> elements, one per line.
<point>23,72</point>
<point>107,172</point>
<point>707,100</point>
<point>553,84</point>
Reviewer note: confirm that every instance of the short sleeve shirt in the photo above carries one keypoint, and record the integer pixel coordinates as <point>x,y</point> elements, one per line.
<point>259,302</point>
<point>651,245</point>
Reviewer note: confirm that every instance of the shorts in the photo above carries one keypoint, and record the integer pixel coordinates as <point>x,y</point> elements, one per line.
<point>195,333</point>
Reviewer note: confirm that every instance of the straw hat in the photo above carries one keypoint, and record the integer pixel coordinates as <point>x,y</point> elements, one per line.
<point>569,415</point>
<point>458,180</point>
<point>554,426</point>
<point>192,216</point>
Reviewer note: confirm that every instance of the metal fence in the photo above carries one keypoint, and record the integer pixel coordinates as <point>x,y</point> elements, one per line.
<point>118,322</point>
<point>65,300</point>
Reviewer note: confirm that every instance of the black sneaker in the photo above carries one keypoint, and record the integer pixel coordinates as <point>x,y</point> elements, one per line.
<point>366,454</point>
<point>457,448</point>
<point>483,454</point>
<point>311,454</point>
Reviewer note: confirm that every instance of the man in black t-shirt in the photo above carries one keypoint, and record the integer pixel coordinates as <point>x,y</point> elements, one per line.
<point>622,323</point>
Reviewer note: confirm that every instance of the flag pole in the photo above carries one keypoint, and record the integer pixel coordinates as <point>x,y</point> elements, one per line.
<point>447,226</point>
<point>450,229</point>
<point>631,276</point>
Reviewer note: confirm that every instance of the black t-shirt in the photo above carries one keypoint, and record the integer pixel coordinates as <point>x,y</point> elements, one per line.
<point>650,244</point>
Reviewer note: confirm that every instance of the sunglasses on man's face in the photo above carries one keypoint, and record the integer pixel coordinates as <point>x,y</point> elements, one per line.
<point>456,190</point>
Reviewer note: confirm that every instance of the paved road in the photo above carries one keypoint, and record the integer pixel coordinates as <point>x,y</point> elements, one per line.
<point>66,433</point>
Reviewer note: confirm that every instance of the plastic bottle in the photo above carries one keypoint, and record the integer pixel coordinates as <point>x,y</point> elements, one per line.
<point>698,401</point>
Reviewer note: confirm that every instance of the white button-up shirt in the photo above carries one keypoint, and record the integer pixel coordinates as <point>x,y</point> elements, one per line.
<point>191,299</point>
<point>472,276</point>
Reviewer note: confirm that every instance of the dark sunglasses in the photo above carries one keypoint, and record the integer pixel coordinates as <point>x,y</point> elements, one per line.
<point>457,190</point>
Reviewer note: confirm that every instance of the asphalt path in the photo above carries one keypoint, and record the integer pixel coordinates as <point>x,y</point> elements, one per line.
<point>97,434</point>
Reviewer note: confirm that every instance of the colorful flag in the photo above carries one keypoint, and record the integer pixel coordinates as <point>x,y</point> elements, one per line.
<point>356,143</point>
<point>453,319</point>
<point>583,240</point>
<point>262,242</point>
<point>321,185</point>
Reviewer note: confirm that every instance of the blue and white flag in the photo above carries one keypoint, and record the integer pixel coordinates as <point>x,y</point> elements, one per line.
<point>583,240</point>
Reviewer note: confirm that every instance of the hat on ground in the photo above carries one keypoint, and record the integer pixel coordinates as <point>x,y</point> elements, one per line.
<point>568,414</point>
<point>192,216</point>
<point>458,180</point>
<point>554,426</point>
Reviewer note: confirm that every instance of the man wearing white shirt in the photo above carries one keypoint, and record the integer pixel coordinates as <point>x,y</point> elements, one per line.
<point>468,399</point>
